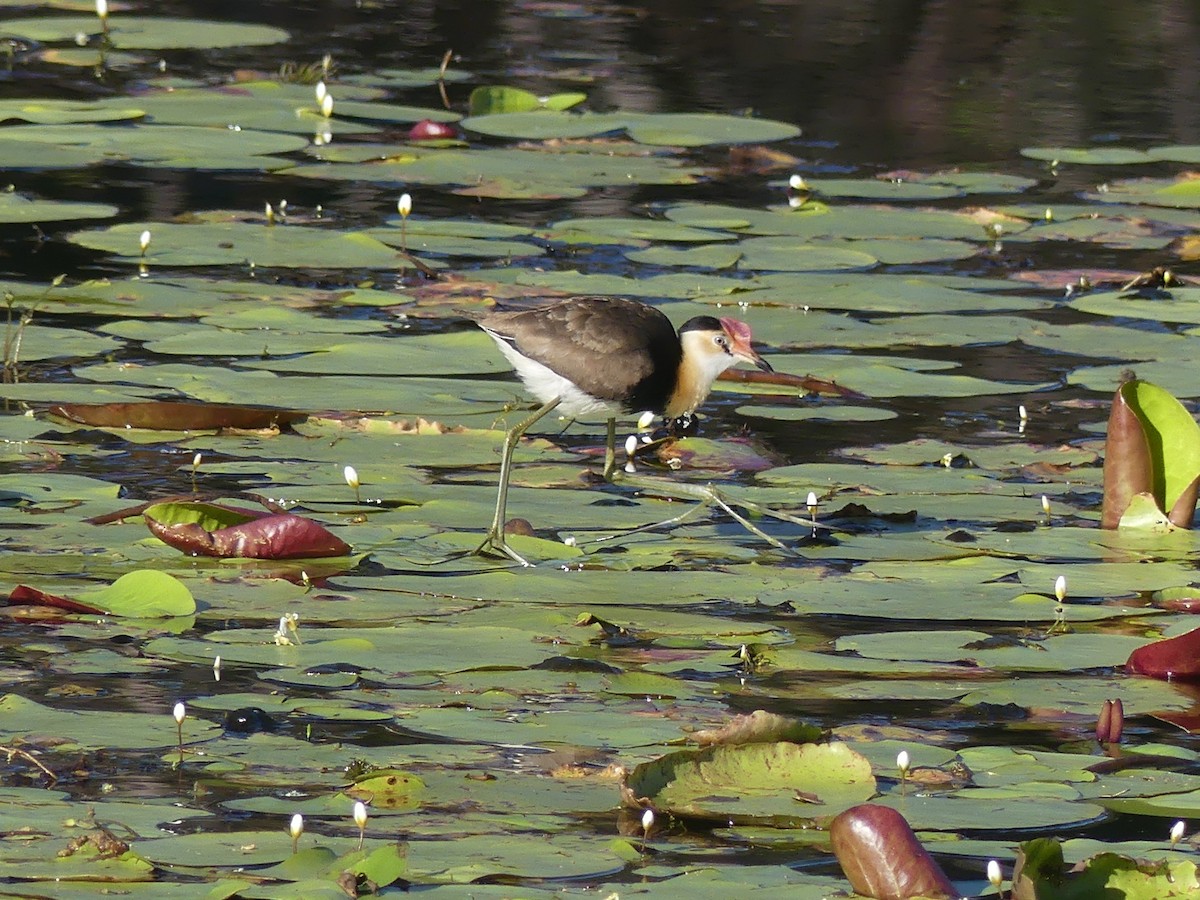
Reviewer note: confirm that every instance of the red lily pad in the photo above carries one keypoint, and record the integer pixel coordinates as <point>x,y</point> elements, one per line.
<point>24,595</point>
<point>146,593</point>
<point>882,858</point>
<point>209,529</point>
<point>166,415</point>
<point>1153,447</point>
<point>1170,658</point>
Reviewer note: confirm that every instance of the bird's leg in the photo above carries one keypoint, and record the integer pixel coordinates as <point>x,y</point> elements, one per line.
<point>610,451</point>
<point>495,541</point>
<point>709,495</point>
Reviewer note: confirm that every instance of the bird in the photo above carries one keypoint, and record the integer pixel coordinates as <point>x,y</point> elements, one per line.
<point>593,355</point>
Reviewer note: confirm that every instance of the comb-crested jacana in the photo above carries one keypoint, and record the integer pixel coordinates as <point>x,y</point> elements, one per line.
<point>603,355</point>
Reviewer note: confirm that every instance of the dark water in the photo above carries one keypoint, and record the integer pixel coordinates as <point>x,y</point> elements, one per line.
<point>874,85</point>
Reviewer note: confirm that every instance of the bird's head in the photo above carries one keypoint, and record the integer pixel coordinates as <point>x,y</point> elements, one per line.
<point>714,345</point>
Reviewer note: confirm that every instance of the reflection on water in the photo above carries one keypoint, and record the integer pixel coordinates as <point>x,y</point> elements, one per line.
<point>889,82</point>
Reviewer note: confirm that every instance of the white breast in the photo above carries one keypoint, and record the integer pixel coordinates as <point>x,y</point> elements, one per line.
<point>545,384</point>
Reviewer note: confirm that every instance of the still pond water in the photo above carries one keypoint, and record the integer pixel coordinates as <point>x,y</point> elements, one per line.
<point>963,165</point>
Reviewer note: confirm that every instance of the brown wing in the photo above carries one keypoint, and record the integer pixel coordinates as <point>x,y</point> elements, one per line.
<point>617,350</point>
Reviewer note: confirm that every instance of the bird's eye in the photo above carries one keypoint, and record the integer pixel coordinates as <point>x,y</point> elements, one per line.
<point>721,341</point>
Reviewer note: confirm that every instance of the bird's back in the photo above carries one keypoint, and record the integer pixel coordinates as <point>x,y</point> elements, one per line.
<point>623,353</point>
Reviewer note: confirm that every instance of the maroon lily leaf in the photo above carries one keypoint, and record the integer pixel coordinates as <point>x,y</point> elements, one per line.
<point>882,858</point>
<point>165,415</point>
<point>209,529</point>
<point>1153,448</point>
<point>24,595</point>
<point>1127,467</point>
<point>429,130</point>
<point>1170,658</point>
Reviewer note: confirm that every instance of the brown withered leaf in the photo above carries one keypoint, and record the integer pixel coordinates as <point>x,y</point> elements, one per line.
<point>1127,466</point>
<point>171,415</point>
<point>758,727</point>
<point>807,383</point>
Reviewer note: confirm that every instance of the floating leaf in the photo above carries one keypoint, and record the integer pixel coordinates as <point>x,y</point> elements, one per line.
<point>240,243</point>
<point>149,33</point>
<point>1182,192</point>
<point>759,726</point>
<point>1170,658</point>
<point>165,415</point>
<point>666,129</point>
<point>205,529</point>
<point>180,146</point>
<point>882,857</point>
<point>16,208</point>
<point>142,594</point>
<point>492,100</point>
<point>780,783</point>
<point>1089,156</point>
<point>1153,447</point>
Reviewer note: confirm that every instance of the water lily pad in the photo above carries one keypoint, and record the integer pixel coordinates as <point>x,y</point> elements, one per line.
<point>1182,192</point>
<point>239,243</point>
<point>142,594</point>
<point>95,729</point>
<point>267,106</point>
<point>58,112</point>
<point>801,255</point>
<point>16,207</point>
<point>881,189</point>
<point>1181,305</point>
<point>773,783</point>
<point>516,172</point>
<point>1089,156</point>
<point>182,146</point>
<point>669,129</point>
<point>149,33</point>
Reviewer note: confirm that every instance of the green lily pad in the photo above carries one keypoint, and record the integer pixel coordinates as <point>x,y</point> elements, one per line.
<point>149,33</point>
<point>881,189</point>
<point>15,208</point>
<point>666,129</point>
<point>1089,156</point>
<point>779,783</point>
<point>95,729</point>
<point>143,594</point>
<point>1182,305</point>
<point>239,243</point>
<point>497,99</point>
<point>516,172</point>
<point>58,112</point>
<point>1182,192</point>
<point>181,146</point>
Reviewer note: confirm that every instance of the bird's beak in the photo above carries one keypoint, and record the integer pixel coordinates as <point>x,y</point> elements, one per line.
<point>739,343</point>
